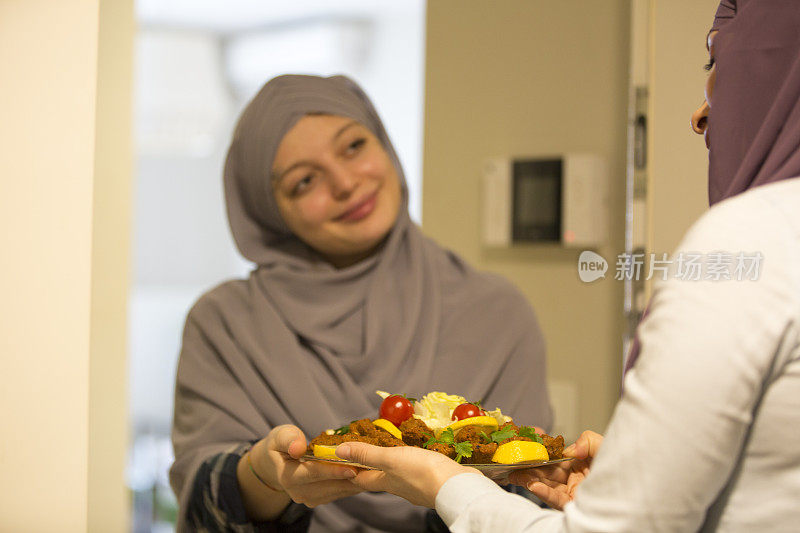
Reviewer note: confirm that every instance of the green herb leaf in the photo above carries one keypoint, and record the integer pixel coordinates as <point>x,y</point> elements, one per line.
<point>342,430</point>
<point>485,437</point>
<point>447,436</point>
<point>431,440</point>
<point>463,449</point>
<point>529,432</point>
<point>503,434</point>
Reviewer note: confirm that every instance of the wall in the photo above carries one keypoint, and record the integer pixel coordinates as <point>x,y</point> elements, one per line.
<point>65,170</point>
<point>111,248</point>
<point>679,160</point>
<point>520,78</point>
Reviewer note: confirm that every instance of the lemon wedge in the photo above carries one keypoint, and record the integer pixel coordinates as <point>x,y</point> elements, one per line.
<point>388,426</point>
<point>486,423</point>
<point>518,451</point>
<point>325,451</point>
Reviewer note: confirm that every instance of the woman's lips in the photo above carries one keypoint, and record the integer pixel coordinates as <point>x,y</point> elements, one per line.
<point>361,210</point>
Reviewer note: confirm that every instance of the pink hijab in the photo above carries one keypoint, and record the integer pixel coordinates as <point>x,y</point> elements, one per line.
<point>754,122</point>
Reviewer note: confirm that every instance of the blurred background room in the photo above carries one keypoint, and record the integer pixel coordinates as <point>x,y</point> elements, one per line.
<point>196,65</point>
<point>117,116</point>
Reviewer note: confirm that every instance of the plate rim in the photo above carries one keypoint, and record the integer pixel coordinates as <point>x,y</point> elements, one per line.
<point>478,466</point>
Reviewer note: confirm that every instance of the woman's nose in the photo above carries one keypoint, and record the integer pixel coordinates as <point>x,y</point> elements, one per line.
<point>343,182</point>
<point>700,119</point>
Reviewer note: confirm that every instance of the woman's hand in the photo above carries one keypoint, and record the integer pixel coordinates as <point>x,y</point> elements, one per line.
<point>555,485</point>
<point>407,471</point>
<point>274,460</point>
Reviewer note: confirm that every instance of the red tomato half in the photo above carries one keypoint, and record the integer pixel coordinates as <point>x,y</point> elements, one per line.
<point>396,409</point>
<point>466,410</point>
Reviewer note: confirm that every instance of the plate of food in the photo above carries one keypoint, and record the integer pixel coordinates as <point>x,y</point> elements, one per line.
<point>448,424</point>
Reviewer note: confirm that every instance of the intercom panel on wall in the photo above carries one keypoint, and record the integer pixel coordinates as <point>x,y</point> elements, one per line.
<point>536,200</point>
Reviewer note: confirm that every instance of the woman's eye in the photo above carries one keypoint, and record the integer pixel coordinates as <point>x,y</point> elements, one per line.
<point>709,65</point>
<point>302,185</point>
<point>356,145</point>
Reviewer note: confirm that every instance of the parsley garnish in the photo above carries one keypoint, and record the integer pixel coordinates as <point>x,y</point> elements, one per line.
<point>503,434</point>
<point>447,436</point>
<point>529,432</point>
<point>463,449</point>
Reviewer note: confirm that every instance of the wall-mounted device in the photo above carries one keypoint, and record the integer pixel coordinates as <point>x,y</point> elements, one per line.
<point>560,200</point>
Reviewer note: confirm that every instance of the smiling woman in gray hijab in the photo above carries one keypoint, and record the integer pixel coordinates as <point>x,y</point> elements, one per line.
<point>347,297</point>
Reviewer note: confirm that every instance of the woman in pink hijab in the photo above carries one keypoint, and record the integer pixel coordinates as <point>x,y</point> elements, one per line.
<point>705,436</point>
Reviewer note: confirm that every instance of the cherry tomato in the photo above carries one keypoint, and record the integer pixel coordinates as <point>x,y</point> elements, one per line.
<point>466,410</point>
<point>396,409</point>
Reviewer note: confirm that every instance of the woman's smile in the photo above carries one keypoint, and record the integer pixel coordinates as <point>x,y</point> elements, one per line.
<point>360,210</point>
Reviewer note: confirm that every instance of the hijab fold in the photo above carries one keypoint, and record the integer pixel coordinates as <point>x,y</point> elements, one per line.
<point>301,342</point>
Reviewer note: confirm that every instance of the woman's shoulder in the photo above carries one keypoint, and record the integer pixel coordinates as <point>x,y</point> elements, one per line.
<point>752,241</point>
<point>763,217</point>
<point>229,297</point>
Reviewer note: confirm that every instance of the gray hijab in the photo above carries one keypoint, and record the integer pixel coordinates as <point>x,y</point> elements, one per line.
<point>304,343</point>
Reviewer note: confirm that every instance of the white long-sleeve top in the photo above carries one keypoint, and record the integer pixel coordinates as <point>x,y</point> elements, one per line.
<point>706,436</point>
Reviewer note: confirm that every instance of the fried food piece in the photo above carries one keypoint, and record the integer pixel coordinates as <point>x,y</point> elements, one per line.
<point>330,440</point>
<point>446,449</point>
<point>386,439</point>
<point>473,435</point>
<point>364,427</point>
<point>365,431</point>
<point>554,445</point>
<point>415,432</point>
<point>481,454</point>
<point>362,431</point>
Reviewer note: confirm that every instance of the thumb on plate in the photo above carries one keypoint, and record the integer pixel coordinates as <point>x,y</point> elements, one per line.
<point>361,452</point>
<point>289,439</point>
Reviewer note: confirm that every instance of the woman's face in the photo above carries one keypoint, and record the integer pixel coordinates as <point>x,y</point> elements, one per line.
<point>700,116</point>
<point>336,187</point>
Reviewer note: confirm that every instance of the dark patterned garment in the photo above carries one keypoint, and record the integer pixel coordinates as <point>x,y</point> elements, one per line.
<point>215,504</point>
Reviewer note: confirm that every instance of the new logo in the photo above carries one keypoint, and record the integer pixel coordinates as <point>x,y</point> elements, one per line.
<point>591,266</point>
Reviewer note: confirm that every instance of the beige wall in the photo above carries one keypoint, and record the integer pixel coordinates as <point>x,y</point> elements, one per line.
<point>532,77</point>
<point>678,191</point>
<point>65,170</point>
<point>111,234</point>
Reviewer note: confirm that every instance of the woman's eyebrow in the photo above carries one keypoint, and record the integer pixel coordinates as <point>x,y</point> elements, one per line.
<point>344,128</point>
<point>278,174</point>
